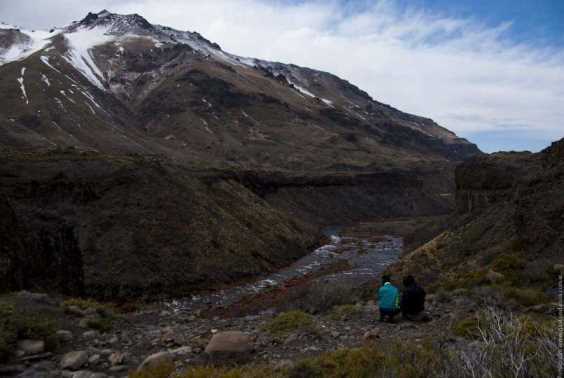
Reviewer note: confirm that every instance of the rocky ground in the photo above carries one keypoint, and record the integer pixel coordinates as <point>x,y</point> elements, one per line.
<point>184,327</point>
<point>254,323</point>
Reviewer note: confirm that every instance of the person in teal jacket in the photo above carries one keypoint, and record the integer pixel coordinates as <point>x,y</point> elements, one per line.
<point>388,300</point>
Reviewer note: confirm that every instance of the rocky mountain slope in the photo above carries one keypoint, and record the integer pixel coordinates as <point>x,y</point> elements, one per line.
<point>139,158</point>
<point>508,230</point>
<point>117,84</point>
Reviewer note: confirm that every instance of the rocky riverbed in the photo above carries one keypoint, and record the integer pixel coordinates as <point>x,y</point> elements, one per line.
<point>181,330</point>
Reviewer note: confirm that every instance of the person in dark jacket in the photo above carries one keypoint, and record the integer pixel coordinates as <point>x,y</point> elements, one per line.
<point>412,300</point>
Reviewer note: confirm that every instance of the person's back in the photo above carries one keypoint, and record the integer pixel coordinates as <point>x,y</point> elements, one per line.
<point>388,299</point>
<point>412,299</point>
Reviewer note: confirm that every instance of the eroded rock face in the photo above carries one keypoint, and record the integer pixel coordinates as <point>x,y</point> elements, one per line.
<point>509,205</point>
<point>96,228</point>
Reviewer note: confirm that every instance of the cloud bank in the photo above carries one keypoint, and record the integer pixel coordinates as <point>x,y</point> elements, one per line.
<point>467,76</point>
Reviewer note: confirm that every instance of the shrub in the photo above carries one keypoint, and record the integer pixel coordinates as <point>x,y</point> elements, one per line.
<point>509,346</point>
<point>526,296</point>
<point>345,312</point>
<point>322,297</point>
<point>465,280</point>
<point>244,372</point>
<point>101,324</point>
<point>288,322</point>
<point>511,266</point>
<point>468,328</point>
<point>86,304</point>
<point>16,324</point>
<point>162,370</point>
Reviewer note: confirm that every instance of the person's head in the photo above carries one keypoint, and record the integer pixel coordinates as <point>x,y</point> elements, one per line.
<point>386,278</point>
<point>408,281</point>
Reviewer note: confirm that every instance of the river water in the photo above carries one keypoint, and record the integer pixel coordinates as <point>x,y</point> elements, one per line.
<point>367,255</point>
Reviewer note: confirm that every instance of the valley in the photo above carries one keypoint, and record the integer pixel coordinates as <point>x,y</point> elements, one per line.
<point>169,209</point>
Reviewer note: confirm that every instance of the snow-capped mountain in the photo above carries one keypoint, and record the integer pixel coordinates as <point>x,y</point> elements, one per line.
<point>119,84</point>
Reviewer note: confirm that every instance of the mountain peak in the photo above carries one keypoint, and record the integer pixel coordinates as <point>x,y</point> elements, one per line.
<point>116,23</point>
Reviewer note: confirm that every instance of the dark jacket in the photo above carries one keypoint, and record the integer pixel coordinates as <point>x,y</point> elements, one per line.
<point>413,300</point>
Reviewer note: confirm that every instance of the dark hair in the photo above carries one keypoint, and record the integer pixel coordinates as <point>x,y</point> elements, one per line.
<point>408,280</point>
<point>386,278</point>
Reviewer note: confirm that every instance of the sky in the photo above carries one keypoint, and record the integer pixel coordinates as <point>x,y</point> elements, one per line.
<point>490,70</point>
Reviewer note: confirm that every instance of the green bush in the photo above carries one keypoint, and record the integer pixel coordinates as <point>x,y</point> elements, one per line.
<point>163,370</point>
<point>345,312</point>
<point>288,322</point>
<point>468,328</point>
<point>465,280</point>
<point>15,324</point>
<point>101,324</point>
<point>525,296</point>
<point>322,297</point>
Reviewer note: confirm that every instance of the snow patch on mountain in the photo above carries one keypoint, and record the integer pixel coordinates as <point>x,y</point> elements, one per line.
<point>302,90</point>
<point>25,43</point>
<point>79,56</point>
<point>45,79</point>
<point>22,86</point>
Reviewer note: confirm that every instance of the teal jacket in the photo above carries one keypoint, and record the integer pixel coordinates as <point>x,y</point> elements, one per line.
<point>388,297</point>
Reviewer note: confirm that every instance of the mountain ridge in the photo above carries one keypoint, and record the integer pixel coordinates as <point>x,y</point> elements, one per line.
<point>143,160</point>
<point>147,69</point>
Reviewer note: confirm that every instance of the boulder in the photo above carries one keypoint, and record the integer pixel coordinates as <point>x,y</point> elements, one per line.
<point>155,360</point>
<point>74,360</point>
<point>230,342</point>
<point>31,346</point>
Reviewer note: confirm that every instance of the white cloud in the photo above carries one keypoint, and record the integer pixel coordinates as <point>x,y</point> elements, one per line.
<point>465,75</point>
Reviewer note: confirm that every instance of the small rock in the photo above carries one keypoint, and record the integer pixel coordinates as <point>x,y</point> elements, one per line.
<point>182,351</point>
<point>113,340</point>
<point>7,370</point>
<point>74,310</point>
<point>116,358</point>
<point>82,374</point>
<point>169,337</point>
<point>406,326</point>
<point>36,297</point>
<point>118,368</point>
<point>90,311</point>
<point>291,339</point>
<point>36,357</point>
<point>494,277</point>
<point>84,323</point>
<point>74,360</point>
<point>94,359</point>
<point>88,335</point>
<point>284,365</point>
<point>31,346</point>
<point>371,336</point>
<point>156,359</point>
<point>64,335</point>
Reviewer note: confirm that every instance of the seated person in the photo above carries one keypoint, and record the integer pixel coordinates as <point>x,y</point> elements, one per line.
<point>388,300</point>
<point>413,300</point>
